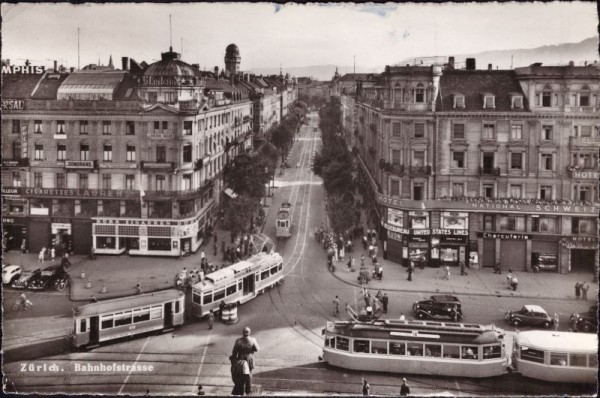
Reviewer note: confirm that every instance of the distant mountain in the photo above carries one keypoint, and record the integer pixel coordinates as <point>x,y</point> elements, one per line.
<point>317,72</point>
<point>586,50</point>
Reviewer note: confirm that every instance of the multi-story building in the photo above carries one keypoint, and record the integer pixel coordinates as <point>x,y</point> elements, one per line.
<point>483,166</point>
<point>123,161</point>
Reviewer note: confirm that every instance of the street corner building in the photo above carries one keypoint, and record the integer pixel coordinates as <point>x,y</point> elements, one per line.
<point>128,160</point>
<point>479,165</point>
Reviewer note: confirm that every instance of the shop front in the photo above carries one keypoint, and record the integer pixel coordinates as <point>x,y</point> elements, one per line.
<point>581,253</point>
<point>395,235</point>
<point>14,230</point>
<point>452,249</point>
<point>510,249</point>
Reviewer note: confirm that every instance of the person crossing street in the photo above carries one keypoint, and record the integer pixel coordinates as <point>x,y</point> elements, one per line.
<point>336,306</point>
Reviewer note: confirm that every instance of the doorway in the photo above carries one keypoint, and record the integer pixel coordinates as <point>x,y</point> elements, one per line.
<point>582,260</point>
<point>94,330</point>
<point>248,286</point>
<point>168,315</point>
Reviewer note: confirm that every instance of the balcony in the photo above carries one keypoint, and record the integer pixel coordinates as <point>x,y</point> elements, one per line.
<point>396,169</point>
<point>189,105</point>
<point>580,142</point>
<point>420,170</point>
<point>176,195</point>
<point>493,171</point>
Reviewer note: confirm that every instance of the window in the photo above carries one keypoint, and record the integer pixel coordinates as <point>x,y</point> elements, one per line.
<point>141,316</point>
<point>16,178</point>
<point>515,191</point>
<point>161,154</point>
<point>125,319</point>
<point>129,181</point>
<point>106,128</point>
<point>37,127</point>
<point>578,360</point>
<point>106,324</point>
<point>187,153</point>
<point>488,162</point>
<point>107,153</point>
<point>396,130</point>
<point>419,158</point>
<point>546,192</point>
<point>60,180</point>
<point>83,127</point>
<point>547,98</point>
<point>512,223</point>
<point>585,131</point>
<point>219,295</point>
<point>129,128</point>
<point>419,130</point>
<point>488,222</point>
<point>130,154</point>
<point>488,131</point>
<point>397,348</point>
<point>37,180</point>
<point>60,127</point>
<point>342,343</point>
<point>106,181</point>
<point>543,224</point>
<point>83,181</point>
<point>547,162</point>
<point>231,289</point>
<point>458,160</point>
<point>458,190</point>
<point>582,226</point>
<point>559,359</point>
<point>61,152</point>
<point>459,101</point>
<point>361,346</point>
<point>157,127</point>
<point>418,191</point>
<point>532,355</point>
<point>160,182</point>
<point>170,97</point>
<point>458,131</point>
<point>39,152</point>
<point>396,156</point>
<point>584,97</point>
<point>187,182</point>
<point>469,352</point>
<point>420,94</point>
<point>517,101</point>
<point>84,152</point>
<point>16,150</point>
<point>516,160</point>
<point>516,132</point>
<point>379,347</point>
<point>414,349</point>
<point>488,191</point>
<point>16,126</point>
<point>489,101</point>
<point>585,160</point>
<point>187,127</point>
<point>547,133</point>
<point>433,350</point>
<point>395,188</point>
<point>451,351</point>
<point>494,351</point>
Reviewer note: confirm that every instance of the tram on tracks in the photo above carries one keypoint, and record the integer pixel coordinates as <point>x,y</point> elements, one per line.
<point>418,347</point>
<point>237,283</point>
<point>283,223</point>
<point>107,320</point>
<point>556,356</point>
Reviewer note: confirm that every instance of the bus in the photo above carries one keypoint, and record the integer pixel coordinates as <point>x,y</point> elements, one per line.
<point>283,223</point>
<point>237,283</point>
<point>418,347</point>
<point>107,320</point>
<point>556,356</point>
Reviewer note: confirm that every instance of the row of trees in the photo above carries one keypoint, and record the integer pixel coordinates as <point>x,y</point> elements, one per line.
<point>334,164</point>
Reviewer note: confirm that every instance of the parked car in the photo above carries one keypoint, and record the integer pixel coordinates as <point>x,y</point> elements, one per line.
<point>439,306</point>
<point>585,321</point>
<point>53,276</point>
<point>531,315</point>
<point>22,281</point>
<point>10,273</point>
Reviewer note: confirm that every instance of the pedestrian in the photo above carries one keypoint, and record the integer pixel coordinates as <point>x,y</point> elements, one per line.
<point>370,250</point>
<point>374,260</point>
<point>211,319</point>
<point>349,264</point>
<point>367,297</point>
<point>447,272</point>
<point>41,255</point>
<point>52,253</point>
<point>462,268</point>
<point>200,390</point>
<point>336,306</point>
<point>514,283</point>
<point>404,389</point>
<point>584,290</point>
<point>384,301</point>
<point>366,388</point>
<point>23,246</point>
<point>138,288</point>
<point>202,256</point>
<point>379,272</point>
<point>335,252</point>
<point>365,245</point>
<point>215,239</point>
<point>243,351</point>
<point>402,317</point>
<point>352,264</point>
<point>93,253</point>
<point>362,260</point>
<point>411,269</point>
<point>223,247</point>
<point>577,290</point>
<point>509,277</point>
<point>221,308</point>
<point>497,268</point>
<point>215,249</point>
<point>556,321</point>
<point>342,253</point>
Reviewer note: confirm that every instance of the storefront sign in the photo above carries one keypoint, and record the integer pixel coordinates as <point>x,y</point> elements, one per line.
<point>494,235</point>
<point>157,165</point>
<point>454,240</point>
<point>14,220</point>
<point>79,164</point>
<point>24,142</point>
<point>13,105</point>
<point>39,211</point>
<point>579,242</point>
<point>585,175</point>
<point>389,227</point>
<point>14,198</point>
<point>10,163</point>
<point>420,232</point>
<point>395,217</point>
<point>418,239</point>
<point>453,232</point>
<point>110,165</point>
<point>394,236</point>
<point>61,225</point>
<point>75,193</point>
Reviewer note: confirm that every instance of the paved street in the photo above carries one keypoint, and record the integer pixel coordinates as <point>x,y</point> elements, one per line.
<point>287,320</point>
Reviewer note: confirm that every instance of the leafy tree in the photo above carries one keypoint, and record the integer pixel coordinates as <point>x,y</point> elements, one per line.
<point>341,211</point>
<point>246,175</point>
<point>337,178</point>
<point>239,212</point>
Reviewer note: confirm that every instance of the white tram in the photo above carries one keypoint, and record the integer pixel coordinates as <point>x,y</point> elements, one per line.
<point>95,323</point>
<point>418,347</point>
<point>237,283</point>
<point>283,224</point>
<point>556,356</point>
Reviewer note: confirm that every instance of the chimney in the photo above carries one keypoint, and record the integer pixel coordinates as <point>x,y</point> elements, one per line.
<point>489,66</point>
<point>571,63</point>
<point>26,62</point>
<point>196,66</point>
<point>55,66</point>
<point>451,62</point>
<point>125,63</point>
<point>470,63</point>
<point>217,72</point>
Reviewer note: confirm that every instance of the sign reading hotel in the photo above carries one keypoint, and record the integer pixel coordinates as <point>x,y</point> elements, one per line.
<point>585,175</point>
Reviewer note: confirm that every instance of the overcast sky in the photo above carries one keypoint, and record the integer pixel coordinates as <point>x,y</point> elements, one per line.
<point>291,35</point>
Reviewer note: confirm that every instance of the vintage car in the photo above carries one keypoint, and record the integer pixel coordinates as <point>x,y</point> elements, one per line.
<point>53,277</point>
<point>22,282</point>
<point>10,273</point>
<point>530,315</point>
<point>585,321</point>
<point>442,305</point>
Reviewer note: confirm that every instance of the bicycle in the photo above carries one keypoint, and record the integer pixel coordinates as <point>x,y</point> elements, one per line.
<point>18,305</point>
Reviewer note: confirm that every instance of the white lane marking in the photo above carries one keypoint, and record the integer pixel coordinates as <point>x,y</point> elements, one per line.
<point>134,365</point>
<point>202,359</point>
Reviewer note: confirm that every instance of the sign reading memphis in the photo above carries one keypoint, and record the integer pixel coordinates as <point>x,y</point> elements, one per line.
<point>23,69</point>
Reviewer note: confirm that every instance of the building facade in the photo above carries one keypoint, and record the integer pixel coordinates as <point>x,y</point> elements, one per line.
<point>483,166</point>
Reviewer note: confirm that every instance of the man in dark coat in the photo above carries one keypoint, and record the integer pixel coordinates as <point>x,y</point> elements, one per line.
<point>242,357</point>
<point>384,301</point>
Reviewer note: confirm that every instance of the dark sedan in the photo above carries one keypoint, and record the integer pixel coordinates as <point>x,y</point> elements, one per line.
<point>441,305</point>
<point>530,315</point>
<point>50,277</point>
<point>23,281</point>
<point>585,321</point>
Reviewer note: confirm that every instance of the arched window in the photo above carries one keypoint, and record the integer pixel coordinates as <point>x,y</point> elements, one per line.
<point>420,94</point>
<point>547,96</point>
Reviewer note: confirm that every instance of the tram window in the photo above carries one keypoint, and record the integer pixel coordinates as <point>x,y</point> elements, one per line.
<point>207,298</point>
<point>280,267</point>
<point>529,354</point>
<point>196,298</point>
<point>155,312</point>
<point>342,343</point>
<point>240,285</point>
<point>469,352</point>
<point>264,275</point>
<point>361,346</point>
<point>124,319</point>
<point>433,350</point>
<point>397,348</point>
<point>557,358</point>
<point>220,295</point>
<point>257,277</point>
<point>379,347</point>
<point>451,351</point>
<point>592,361</point>
<point>415,349</point>
<point>177,306</point>
<point>330,341</point>
<point>578,360</point>
<point>141,316</point>
<point>231,290</point>
<point>106,324</point>
<point>83,325</point>
<point>494,351</point>
<point>273,270</point>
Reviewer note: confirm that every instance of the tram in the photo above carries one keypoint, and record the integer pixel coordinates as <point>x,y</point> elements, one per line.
<point>556,356</point>
<point>237,283</point>
<point>284,221</point>
<point>107,320</point>
<point>418,347</point>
